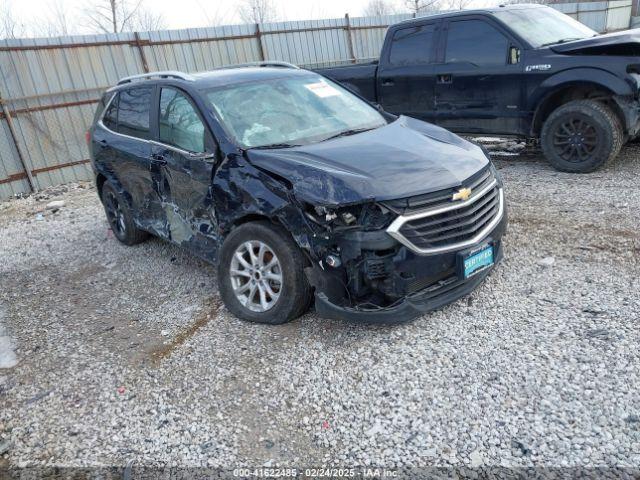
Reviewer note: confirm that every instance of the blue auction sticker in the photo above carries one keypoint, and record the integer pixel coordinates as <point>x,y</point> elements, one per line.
<point>478,261</point>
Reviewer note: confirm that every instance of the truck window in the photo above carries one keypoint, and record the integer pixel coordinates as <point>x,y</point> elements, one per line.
<point>476,42</point>
<point>411,46</point>
<point>133,112</point>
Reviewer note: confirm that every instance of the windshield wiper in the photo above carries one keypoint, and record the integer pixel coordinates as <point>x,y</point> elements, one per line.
<point>275,145</point>
<point>346,133</point>
<point>562,40</point>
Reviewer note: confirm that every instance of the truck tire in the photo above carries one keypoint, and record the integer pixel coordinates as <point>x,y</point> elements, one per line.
<point>119,217</point>
<point>261,274</point>
<point>581,136</point>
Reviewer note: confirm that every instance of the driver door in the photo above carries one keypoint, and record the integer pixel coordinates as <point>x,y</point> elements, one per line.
<point>184,158</point>
<point>479,87</point>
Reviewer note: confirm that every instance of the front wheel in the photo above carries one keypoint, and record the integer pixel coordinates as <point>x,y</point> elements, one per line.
<point>261,274</point>
<point>581,136</point>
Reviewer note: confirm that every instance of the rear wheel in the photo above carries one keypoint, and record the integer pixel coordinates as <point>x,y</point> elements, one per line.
<point>261,274</point>
<point>581,136</point>
<point>119,217</point>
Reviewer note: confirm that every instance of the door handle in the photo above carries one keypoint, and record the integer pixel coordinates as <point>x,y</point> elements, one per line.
<point>445,78</point>
<point>158,159</point>
<point>388,82</point>
<point>103,143</point>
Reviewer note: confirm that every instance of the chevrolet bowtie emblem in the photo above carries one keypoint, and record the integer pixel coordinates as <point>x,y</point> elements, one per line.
<point>462,194</point>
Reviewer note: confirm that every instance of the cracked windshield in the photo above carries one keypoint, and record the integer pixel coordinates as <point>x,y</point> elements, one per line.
<point>291,111</point>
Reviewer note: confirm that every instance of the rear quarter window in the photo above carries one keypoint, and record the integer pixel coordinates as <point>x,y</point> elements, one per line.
<point>110,118</point>
<point>102,103</point>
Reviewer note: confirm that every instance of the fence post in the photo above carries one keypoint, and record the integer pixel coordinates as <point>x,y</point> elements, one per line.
<point>16,144</point>
<point>349,38</point>
<point>143,57</point>
<point>260,44</point>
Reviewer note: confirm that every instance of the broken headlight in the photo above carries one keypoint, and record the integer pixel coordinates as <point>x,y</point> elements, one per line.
<point>366,216</point>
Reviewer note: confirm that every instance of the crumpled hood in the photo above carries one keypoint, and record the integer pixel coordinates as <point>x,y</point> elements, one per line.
<point>609,43</point>
<point>404,158</point>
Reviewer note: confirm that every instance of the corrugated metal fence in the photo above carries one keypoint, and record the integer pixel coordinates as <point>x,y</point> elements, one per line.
<point>600,16</point>
<point>49,87</point>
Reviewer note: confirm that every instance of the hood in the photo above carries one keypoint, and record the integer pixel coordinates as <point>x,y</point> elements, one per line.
<point>625,43</point>
<point>404,158</point>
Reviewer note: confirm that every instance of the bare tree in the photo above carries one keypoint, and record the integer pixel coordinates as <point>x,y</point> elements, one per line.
<point>146,20</point>
<point>258,11</point>
<point>377,8</point>
<point>541,2</point>
<point>214,14</point>
<point>421,6</point>
<point>460,4</point>
<point>55,22</point>
<point>10,25</point>
<point>112,16</point>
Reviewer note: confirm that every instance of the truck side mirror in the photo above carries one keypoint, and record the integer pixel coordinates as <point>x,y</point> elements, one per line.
<point>514,55</point>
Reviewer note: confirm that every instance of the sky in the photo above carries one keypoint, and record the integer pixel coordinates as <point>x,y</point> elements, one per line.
<point>195,13</point>
<point>192,13</point>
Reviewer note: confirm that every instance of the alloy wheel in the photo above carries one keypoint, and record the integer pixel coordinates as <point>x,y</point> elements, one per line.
<point>256,276</point>
<point>115,214</point>
<point>575,139</point>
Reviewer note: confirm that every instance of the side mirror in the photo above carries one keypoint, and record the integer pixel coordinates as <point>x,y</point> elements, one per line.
<point>514,55</point>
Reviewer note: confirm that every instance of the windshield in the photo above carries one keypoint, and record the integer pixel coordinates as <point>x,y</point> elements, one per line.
<point>544,25</point>
<point>290,111</point>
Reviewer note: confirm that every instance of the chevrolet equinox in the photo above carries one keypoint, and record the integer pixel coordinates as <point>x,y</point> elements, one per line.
<point>298,190</point>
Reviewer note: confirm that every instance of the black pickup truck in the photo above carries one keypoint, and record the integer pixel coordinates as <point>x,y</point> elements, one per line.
<point>527,71</point>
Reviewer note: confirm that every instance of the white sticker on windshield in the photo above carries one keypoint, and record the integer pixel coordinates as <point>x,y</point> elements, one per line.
<point>322,89</point>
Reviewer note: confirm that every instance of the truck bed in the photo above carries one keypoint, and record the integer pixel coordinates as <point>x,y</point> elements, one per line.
<point>360,78</point>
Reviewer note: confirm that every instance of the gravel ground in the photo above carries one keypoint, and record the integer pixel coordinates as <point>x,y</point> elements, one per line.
<point>126,353</point>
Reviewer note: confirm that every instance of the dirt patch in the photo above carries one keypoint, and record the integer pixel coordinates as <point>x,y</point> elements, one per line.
<point>162,351</point>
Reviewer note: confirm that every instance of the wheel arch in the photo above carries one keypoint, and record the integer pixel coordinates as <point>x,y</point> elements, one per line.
<point>573,90</point>
<point>100,181</point>
<point>103,177</point>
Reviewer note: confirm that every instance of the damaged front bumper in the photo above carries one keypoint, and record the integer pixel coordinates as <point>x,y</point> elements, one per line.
<point>432,297</point>
<point>433,251</point>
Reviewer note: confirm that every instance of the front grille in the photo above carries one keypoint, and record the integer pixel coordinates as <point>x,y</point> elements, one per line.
<point>419,203</point>
<point>449,225</point>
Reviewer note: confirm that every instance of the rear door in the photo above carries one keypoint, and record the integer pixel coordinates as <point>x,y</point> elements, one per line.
<point>406,76</point>
<point>185,155</point>
<point>478,84</point>
<point>125,143</point>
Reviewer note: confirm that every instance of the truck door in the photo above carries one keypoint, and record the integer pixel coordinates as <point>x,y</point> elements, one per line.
<point>406,75</point>
<point>478,86</point>
<point>184,156</point>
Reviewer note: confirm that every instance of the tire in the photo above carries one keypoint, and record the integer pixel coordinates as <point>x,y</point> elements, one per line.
<point>293,291</point>
<point>119,216</point>
<point>581,136</point>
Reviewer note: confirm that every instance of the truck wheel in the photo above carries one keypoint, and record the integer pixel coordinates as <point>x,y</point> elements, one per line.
<point>261,274</point>
<point>581,136</point>
<point>120,218</point>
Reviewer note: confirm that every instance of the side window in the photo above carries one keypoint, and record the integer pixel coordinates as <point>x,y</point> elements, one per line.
<point>133,112</point>
<point>110,118</point>
<point>179,122</point>
<point>476,42</point>
<point>412,46</point>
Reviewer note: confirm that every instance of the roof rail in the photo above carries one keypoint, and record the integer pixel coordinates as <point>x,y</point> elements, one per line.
<point>266,63</point>
<point>167,74</point>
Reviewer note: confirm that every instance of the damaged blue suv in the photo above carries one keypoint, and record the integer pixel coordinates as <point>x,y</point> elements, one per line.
<point>299,191</point>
